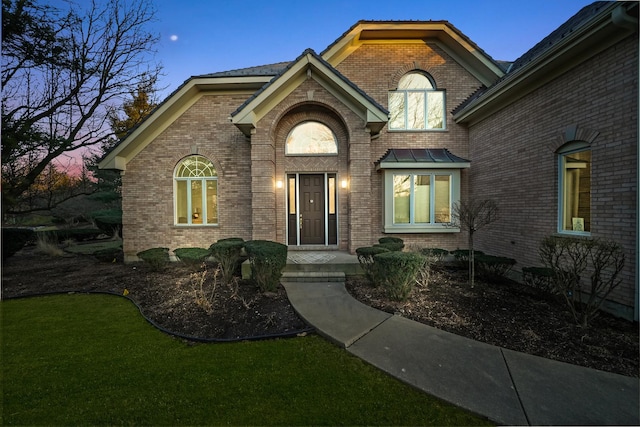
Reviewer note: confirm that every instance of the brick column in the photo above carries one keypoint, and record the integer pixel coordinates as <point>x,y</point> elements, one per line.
<point>359,191</point>
<point>263,168</point>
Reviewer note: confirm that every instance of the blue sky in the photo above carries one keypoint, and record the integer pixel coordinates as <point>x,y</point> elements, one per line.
<point>206,36</point>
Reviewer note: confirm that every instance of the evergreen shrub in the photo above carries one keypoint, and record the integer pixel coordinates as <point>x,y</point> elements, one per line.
<point>192,255</point>
<point>367,262</point>
<point>397,271</point>
<point>228,254</point>
<point>267,260</point>
<point>494,267</point>
<point>157,258</point>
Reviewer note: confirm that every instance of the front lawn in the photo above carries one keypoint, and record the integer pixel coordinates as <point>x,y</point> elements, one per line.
<point>93,360</point>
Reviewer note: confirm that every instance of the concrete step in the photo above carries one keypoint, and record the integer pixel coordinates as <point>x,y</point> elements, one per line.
<point>312,276</point>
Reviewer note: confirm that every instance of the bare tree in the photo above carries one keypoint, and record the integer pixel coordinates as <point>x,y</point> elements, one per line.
<point>471,216</point>
<point>61,73</point>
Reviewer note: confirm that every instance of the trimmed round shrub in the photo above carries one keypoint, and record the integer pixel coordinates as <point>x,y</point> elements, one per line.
<point>436,254</point>
<point>367,262</point>
<point>109,221</point>
<point>493,267</point>
<point>192,255</point>
<point>462,256</point>
<point>109,255</point>
<point>267,260</point>
<point>14,239</point>
<point>391,243</point>
<point>228,253</point>
<point>157,258</point>
<point>397,271</point>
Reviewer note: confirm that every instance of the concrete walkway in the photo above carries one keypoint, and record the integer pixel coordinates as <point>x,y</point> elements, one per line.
<point>505,386</point>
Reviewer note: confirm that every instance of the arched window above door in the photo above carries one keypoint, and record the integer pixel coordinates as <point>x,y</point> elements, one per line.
<point>311,138</point>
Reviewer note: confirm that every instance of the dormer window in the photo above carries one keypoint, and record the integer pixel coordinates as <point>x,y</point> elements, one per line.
<point>416,104</point>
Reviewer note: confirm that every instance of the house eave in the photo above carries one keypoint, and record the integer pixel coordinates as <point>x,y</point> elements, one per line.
<point>176,104</point>
<point>597,35</point>
<point>308,67</point>
<point>477,62</point>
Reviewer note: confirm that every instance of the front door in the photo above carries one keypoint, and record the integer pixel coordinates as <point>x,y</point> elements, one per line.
<point>311,209</point>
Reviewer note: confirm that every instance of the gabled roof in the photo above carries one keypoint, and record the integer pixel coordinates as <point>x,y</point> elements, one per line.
<point>415,158</point>
<point>593,29</point>
<point>309,65</point>
<point>449,38</point>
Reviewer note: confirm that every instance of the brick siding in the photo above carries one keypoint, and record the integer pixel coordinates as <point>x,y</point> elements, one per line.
<point>513,159</point>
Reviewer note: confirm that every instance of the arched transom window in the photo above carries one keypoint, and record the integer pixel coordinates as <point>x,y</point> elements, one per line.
<point>416,104</point>
<point>196,192</point>
<point>311,138</point>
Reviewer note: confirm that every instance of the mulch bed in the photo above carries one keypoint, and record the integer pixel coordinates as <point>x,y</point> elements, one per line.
<point>512,316</point>
<point>505,314</point>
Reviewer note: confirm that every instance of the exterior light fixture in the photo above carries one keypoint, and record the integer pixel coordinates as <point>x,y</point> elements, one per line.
<point>344,183</point>
<point>279,183</point>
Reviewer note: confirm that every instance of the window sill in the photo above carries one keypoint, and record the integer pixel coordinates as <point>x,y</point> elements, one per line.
<point>575,234</point>
<point>397,229</point>
<point>195,225</point>
<point>417,130</point>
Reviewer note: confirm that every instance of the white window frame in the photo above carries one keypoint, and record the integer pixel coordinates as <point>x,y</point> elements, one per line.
<point>189,180</point>
<point>563,152</point>
<point>406,92</point>
<point>432,227</point>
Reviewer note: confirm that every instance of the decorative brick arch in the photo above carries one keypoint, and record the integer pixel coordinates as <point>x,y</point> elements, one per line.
<point>414,66</point>
<point>307,111</point>
<point>573,133</point>
<point>196,151</point>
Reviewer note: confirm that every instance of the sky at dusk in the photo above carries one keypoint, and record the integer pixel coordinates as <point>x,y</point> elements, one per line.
<point>205,36</point>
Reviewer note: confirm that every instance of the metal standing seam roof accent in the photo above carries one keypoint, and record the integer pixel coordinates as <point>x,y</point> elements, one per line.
<point>420,155</point>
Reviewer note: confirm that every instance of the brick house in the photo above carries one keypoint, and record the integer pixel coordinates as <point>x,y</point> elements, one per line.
<point>386,129</point>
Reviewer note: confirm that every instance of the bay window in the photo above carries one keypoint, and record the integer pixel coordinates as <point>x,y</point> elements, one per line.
<point>420,201</point>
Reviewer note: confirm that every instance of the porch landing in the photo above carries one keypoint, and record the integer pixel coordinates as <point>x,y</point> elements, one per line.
<point>316,266</point>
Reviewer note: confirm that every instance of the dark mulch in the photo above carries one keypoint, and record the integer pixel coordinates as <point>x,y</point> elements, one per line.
<point>167,298</point>
<point>506,314</point>
<point>512,316</point>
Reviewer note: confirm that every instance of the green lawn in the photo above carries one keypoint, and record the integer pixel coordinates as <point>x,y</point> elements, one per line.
<point>93,360</point>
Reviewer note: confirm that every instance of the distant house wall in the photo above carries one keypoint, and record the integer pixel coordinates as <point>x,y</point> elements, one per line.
<point>514,163</point>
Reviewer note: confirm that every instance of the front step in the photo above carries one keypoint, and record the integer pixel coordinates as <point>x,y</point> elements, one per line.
<point>312,276</point>
<point>315,266</point>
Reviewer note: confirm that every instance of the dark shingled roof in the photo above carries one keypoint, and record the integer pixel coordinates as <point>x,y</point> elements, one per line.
<point>420,155</point>
<point>319,58</point>
<point>575,22</point>
<point>563,31</point>
<point>261,70</point>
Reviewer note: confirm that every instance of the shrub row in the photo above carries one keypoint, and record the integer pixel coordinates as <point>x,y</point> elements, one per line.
<point>267,259</point>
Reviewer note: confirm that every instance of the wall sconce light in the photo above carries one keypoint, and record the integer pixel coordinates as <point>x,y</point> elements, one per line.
<point>279,184</point>
<point>344,183</point>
